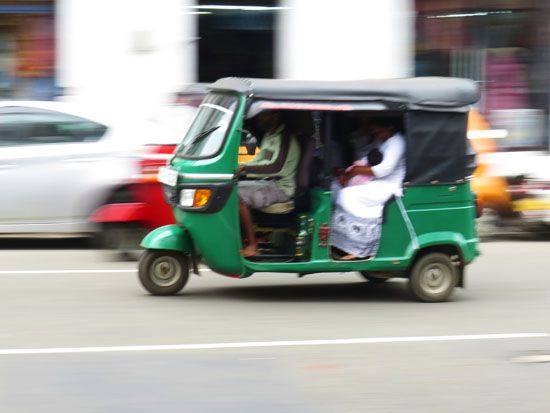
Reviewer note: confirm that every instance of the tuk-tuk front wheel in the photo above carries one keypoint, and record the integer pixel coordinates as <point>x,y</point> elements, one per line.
<point>163,272</point>
<point>433,278</point>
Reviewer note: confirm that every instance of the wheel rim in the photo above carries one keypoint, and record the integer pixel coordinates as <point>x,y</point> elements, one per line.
<point>165,271</point>
<point>436,278</point>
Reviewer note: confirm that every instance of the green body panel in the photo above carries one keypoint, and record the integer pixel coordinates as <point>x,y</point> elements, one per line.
<point>169,237</point>
<point>216,237</point>
<point>441,215</point>
<point>444,215</point>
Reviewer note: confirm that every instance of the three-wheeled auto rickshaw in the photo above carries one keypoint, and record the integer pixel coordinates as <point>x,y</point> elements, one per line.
<point>427,234</point>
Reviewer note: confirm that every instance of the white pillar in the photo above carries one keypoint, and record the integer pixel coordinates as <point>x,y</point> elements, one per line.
<point>125,52</point>
<point>345,39</point>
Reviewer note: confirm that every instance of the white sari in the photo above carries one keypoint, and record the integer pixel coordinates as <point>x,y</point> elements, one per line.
<point>367,200</point>
<point>357,218</point>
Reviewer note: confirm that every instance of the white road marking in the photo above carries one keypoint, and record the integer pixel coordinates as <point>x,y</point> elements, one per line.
<point>60,272</point>
<point>535,358</point>
<point>255,344</point>
<point>37,272</point>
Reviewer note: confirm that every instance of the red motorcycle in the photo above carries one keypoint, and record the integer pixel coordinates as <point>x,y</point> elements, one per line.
<point>138,207</point>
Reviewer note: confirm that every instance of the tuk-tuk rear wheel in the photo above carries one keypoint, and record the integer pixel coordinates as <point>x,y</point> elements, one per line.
<point>433,278</point>
<point>163,272</point>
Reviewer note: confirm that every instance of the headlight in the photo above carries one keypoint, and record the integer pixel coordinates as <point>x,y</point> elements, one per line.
<point>194,198</point>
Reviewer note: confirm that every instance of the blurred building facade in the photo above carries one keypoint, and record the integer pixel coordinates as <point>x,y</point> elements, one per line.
<point>136,55</point>
<point>503,44</point>
<point>27,49</point>
<point>141,53</point>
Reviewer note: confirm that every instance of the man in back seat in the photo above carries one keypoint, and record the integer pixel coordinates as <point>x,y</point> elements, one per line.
<point>273,173</point>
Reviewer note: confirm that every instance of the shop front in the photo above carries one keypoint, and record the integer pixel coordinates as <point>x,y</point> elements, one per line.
<point>504,45</point>
<point>27,50</point>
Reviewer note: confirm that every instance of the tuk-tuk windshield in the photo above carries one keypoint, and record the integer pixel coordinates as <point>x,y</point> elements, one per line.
<point>207,132</point>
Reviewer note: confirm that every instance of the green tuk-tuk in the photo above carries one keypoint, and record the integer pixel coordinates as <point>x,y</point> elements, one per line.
<point>427,235</point>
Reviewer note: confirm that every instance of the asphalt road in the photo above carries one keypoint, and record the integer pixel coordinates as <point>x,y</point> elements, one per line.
<point>79,334</point>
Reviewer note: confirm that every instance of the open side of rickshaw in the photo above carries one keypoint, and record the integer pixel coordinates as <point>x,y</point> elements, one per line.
<point>428,234</point>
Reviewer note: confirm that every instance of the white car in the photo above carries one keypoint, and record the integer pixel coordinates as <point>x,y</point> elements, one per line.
<point>57,165</point>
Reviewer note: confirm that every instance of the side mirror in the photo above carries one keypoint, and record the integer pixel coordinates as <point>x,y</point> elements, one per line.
<point>249,141</point>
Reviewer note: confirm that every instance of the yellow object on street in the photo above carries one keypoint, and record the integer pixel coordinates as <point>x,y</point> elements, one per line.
<point>531,204</point>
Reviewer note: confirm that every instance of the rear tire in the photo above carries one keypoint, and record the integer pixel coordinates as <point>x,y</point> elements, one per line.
<point>163,272</point>
<point>433,278</point>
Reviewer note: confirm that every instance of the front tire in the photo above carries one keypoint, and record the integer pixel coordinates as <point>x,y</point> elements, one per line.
<point>433,278</point>
<point>163,272</point>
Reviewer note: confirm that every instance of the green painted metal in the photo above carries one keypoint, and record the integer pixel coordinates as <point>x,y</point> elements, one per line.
<point>169,237</point>
<point>441,215</point>
<point>444,215</point>
<point>216,237</point>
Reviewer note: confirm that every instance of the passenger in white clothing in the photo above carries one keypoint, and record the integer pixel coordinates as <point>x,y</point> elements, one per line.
<point>367,200</point>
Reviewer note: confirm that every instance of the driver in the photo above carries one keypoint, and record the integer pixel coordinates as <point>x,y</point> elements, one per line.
<point>273,172</point>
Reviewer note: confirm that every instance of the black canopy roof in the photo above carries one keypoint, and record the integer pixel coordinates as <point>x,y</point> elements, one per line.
<point>417,93</point>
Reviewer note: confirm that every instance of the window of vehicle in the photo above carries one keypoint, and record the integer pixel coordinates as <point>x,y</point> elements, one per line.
<point>26,127</point>
<point>10,135</point>
<point>206,135</point>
